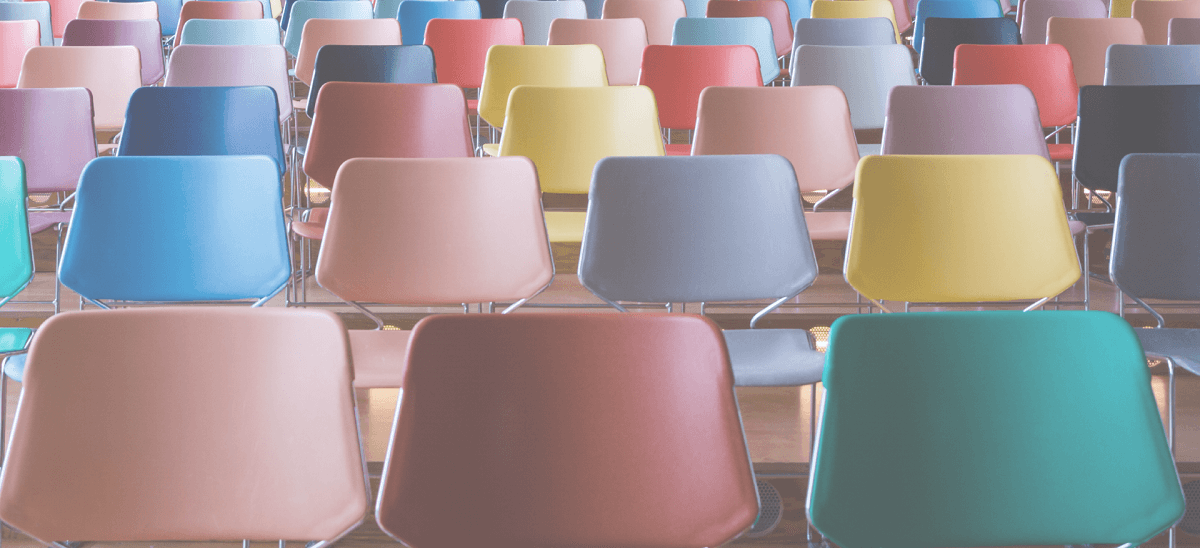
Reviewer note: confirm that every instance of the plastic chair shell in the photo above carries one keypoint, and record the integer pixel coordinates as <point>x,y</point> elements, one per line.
<point>1155,17</point>
<point>1137,65</point>
<point>1087,41</point>
<point>1038,12</point>
<point>942,36</point>
<point>201,65</point>
<point>460,46</point>
<point>621,40</point>
<point>357,32</point>
<point>111,73</point>
<point>231,32</point>
<point>509,66</point>
<point>56,147</point>
<point>750,31</point>
<point>866,31</point>
<point>168,14</point>
<point>145,35</point>
<point>118,11</point>
<point>678,74</point>
<point>536,16</point>
<point>415,14</point>
<point>36,10</point>
<point>866,74</point>
<point>16,38</point>
<point>658,15</point>
<point>1155,247</point>
<point>775,11</point>
<point>383,64</point>
<point>954,9</point>
<point>216,9</point>
<point>995,119</point>
<point>16,254</point>
<point>320,9</point>
<point>1043,68</point>
<point>1183,30</point>
<point>858,9</point>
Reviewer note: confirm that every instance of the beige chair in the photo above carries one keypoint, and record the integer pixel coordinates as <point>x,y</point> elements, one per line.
<point>118,10</point>
<point>1087,41</point>
<point>658,15</point>
<point>111,73</point>
<point>1155,15</point>
<point>621,41</point>
<point>360,32</point>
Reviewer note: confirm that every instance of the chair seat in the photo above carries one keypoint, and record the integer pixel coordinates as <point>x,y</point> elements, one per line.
<point>1097,218</point>
<point>870,149</point>
<point>14,338</point>
<point>565,226</point>
<point>678,150</point>
<point>1060,152</point>
<point>314,227</point>
<point>491,149</point>
<point>41,220</point>
<point>1076,226</point>
<point>1181,345</point>
<point>773,357</point>
<point>379,357</point>
<point>828,225</point>
<point>300,104</point>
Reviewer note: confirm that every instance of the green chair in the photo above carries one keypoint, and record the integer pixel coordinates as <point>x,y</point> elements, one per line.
<point>990,429</point>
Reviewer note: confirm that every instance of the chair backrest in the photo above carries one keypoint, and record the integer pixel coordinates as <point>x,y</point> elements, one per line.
<point>387,9</point>
<point>168,13</point>
<point>1043,68</point>
<point>936,64</point>
<point>1118,120</point>
<point>677,75</point>
<point>658,15</point>
<point>374,120</point>
<point>1155,245</point>
<point>392,220</point>
<point>144,34</point>
<point>304,10</point>
<point>959,228</point>
<point>536,16</point>
<point>216,9</point>
<point>16,38</point>
<point>1038,12</point>
<point>909,394</point>
<point>775,11</point>
<point>203,121</point>
<point>954,9</point>
<point>654,235</point>
<point>183,228</point>
<point>750,31</point>
<point>1154,16</point>
<point>152,378</point>
<point>121,11</point>
<point>51,131</point>
<point>993,119</point>
<point>597,121</point>
<point>30,10</point>
<point>1087,41</point>
<point>415,14</point>
<point>866,74</point>
<point>1122,9</point>
<point>1183,30</point>
<point>16,255</point>
<point>1139,65</point>
<point>460,46</point>
<point>111,73</point>
<point>286,16</point>
<point>621,41</point>
<point>859,9</point>
<point>608,414</point>
<point>231,32</point>
<point>383,64</point>
<point>808,125</point>
<point>61,13</point>
<point>357,32</point>
<point>201,65</point>
<point>509,66</point>
<point>865,31</point>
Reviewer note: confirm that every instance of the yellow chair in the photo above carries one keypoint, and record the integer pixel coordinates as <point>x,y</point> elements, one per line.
<point>507,67</point>
<point>959,229</point>
<point>834,9</point>
<point>566,130</point>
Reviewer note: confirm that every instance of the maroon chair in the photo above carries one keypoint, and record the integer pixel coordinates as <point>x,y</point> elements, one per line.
<point>144,34</point>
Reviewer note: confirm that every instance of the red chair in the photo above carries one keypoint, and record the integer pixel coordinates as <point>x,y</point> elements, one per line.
<point>460,48</point>
<point>776,11</point>
<point>677,75</point>
<point>1043,68</point>
<point>214,9</point>
<point>16,37</point>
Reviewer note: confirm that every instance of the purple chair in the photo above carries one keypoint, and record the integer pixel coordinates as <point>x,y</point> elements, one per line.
<point>1000,119</point>
<point>1182,30</point>
<point>1035,14</point>
<point>145,35</point>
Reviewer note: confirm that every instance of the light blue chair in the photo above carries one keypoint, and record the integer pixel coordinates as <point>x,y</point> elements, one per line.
<point>168,14</point>
<point>230,32</point>
<point>1142,65</point>
<point>697,8</point>
<point>38,11</point>
<point>951,9</point>
<point>286,16</point>
<point>750,31</point>
<point>799,9</point>
<point>303,10</point>
<point>415,14</point>
<point>265,3</point>
<point>387,9</point>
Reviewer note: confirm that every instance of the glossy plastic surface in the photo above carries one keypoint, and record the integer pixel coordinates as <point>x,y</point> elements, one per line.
<point>1087,41</point>
<point>658,15</point>
<point>677,75</point>
<point>384,64</point>
<point>415,14</point>
<point>536,15</point>
<point>1130,65</point>
<point>936,64</point>
<point>119,11</point>
<point>750,31</point>
<point>460,46</point>
<point>214,9</point>
<point>303,10</point>
<point>621,40</point>
<point>231,32</point>
<point>840,9</point>
<point>510,66</point>
<point>1043,68</point>
<point>355,32</point>
<point>775,11</point>
<point>16,253</point>
<point>864,31</point>
<point>1154,16</point>
<point>866,74</point>
<point>111,73</point>
<point>145,35</point>
<point>36,10</point>
<point>61,142</point>
<point>199,65</point>
<point>996,119</point>
<point>957,9</point>
<point>16,38</point>
<point>1037,12</point>
<point>1156,249</point>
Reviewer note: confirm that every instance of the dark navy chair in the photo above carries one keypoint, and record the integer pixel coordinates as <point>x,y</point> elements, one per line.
<point>379,64</point>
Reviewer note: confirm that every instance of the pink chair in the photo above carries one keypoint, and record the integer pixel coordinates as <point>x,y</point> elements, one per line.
<point>144,34</point>
<point>16,38</point>
<point>995,119</point>
<point>1035,14</point>
<point>111,73</point>
<point>1087,41</point>
<point>658,15</point>
<point>61,13</point>
<point>460,48</point>
<point>1155,17</point>
<point>363,32</point>
<point>621,40</point>
<point>118,11</point>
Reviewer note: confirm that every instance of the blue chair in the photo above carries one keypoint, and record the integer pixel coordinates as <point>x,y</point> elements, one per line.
<point>38,11</point>
<point>956,9</point>
<point>266,4</point>
<point>303,10</point>
<point>230,32</point>
<point>387,9</point>
<point>382,64</point>
<point>203,121</point>
<point>168,14</point>
<point>415,14</point>
<point>289,5</point>
<point>799,9</point>
<point>751,31</point>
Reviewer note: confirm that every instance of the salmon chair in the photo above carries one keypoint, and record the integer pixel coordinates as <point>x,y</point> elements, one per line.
<point>17,38</point>
<point>621,40</point>
<point>212,9</point>
<point>1155,17</point>
<point>30,11</point>
<point>460,47</point>
<point>117,11</point>
<point>658,15</point>
<point>1087,41</point>
<point>111,73</point>
<point>144,34</point>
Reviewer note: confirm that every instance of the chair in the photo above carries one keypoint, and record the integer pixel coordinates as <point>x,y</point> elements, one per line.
<point>608,414</point>
<point>952,9</point>
<point>799,9</point>
<point>859,9</point>
<point>652,236</point>
<point>61,13</point>
<point>869,31</point>
<point>492,9</point>
<point>16,262</point>
<point>994,119</point>
<point>566,130</point>
<point>118,11</point>
<point>866,74</point>
<point>910,394</point>
<point>285,17</point>
<point>509,66</point>
<point>143,387</point>
<point>808,125</point>
<point>384,64</point>
<point>224,66</point>
<point>959,228</point>
<point>390,224</point>
<point>621,41</point>
<point>678,74</point>
<point>1155,17</point>
<point>320,32</point>
<point>1038,12</point>
<point>1087,41</point>
<point>460,47</point>
<point>17,37</point>
<point>111,73</point>
<point>215,9</point>
<point>1183,31</point>
<point>415,14</point>
<point>387,9</point>
<point>1137,65</point>
<point>144,34</point>
<point>320,9</point>
<point>942,36</point>
<point>231,32</point>
<point>658,15</point>
<point>1043,68</point>
<point>30,10</point>
<point>750,31</point>
<point>775,11</point>
<point>536,15</point>
<point>168,14</point>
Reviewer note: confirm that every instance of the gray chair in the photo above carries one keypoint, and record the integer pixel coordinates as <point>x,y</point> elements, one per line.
<point>1138,65</point>
<point>706,229</point>
<point>1183,30</point>
<point>536,16</point>
<point>38,11</point>
<point>867,31</point>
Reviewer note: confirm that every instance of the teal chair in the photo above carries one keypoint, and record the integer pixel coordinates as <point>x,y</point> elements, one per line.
<point>719,31</point>
<point>990,429</point>
<point>16,270</point>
